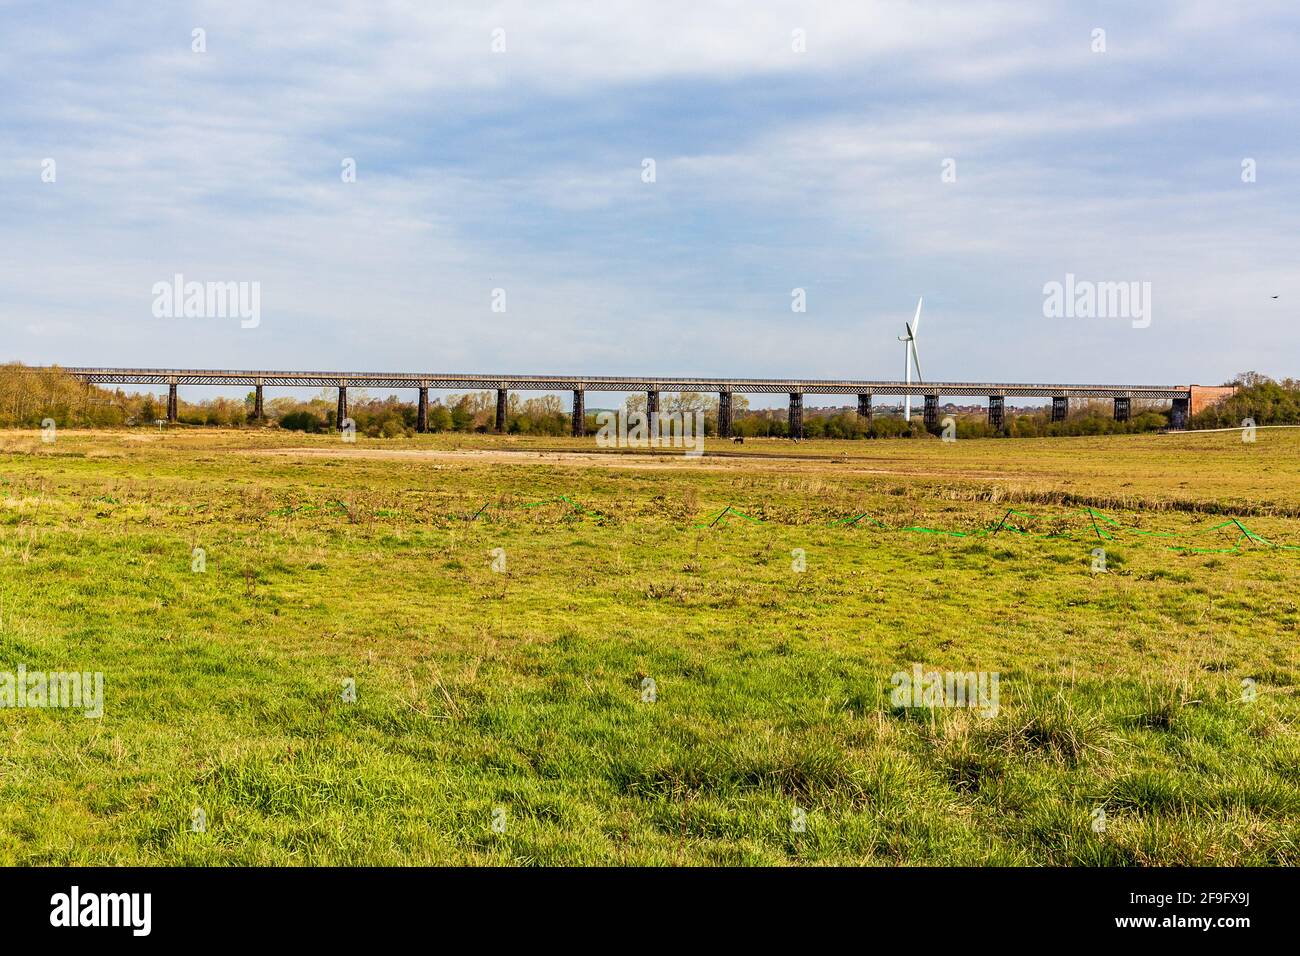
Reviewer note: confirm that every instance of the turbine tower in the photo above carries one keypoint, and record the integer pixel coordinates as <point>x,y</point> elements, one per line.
<point>910,357</point>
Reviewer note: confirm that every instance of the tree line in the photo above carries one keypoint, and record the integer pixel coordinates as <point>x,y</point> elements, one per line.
<point>1259,399</point>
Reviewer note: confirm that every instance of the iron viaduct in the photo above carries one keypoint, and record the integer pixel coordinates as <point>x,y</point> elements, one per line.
<point>1186,399</point>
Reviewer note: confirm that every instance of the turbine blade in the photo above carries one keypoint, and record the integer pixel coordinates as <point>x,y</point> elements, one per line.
<point>916,320</point>
<point>917,359</point>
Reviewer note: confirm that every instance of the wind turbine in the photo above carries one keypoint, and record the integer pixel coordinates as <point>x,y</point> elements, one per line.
<point>911,357</point>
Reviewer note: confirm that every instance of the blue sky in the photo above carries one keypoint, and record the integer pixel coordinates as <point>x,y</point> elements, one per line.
<point>775,170</point>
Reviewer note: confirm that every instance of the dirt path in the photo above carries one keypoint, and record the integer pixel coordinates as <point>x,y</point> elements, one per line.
<point>643,461</point>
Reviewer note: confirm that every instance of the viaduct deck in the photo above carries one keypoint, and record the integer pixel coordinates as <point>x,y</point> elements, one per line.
<point>997,392</point>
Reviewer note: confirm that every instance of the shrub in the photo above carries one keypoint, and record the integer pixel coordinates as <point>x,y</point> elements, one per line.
<point>303,421</point>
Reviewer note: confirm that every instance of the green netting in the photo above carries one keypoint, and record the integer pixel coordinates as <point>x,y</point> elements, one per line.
<point>1101,526</point>
<point>726,513</point>
<point>1010,527</point>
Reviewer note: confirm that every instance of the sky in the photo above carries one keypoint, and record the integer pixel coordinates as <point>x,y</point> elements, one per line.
<point>866,153</point>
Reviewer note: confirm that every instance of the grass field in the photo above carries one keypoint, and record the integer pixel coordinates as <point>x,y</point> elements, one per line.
<point>501,712</point>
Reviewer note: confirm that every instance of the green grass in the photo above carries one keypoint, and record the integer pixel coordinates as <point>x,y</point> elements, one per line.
<point>522,690</point>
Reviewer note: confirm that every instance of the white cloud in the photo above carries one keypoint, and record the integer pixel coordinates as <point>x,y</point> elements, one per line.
<point>522,170</point>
